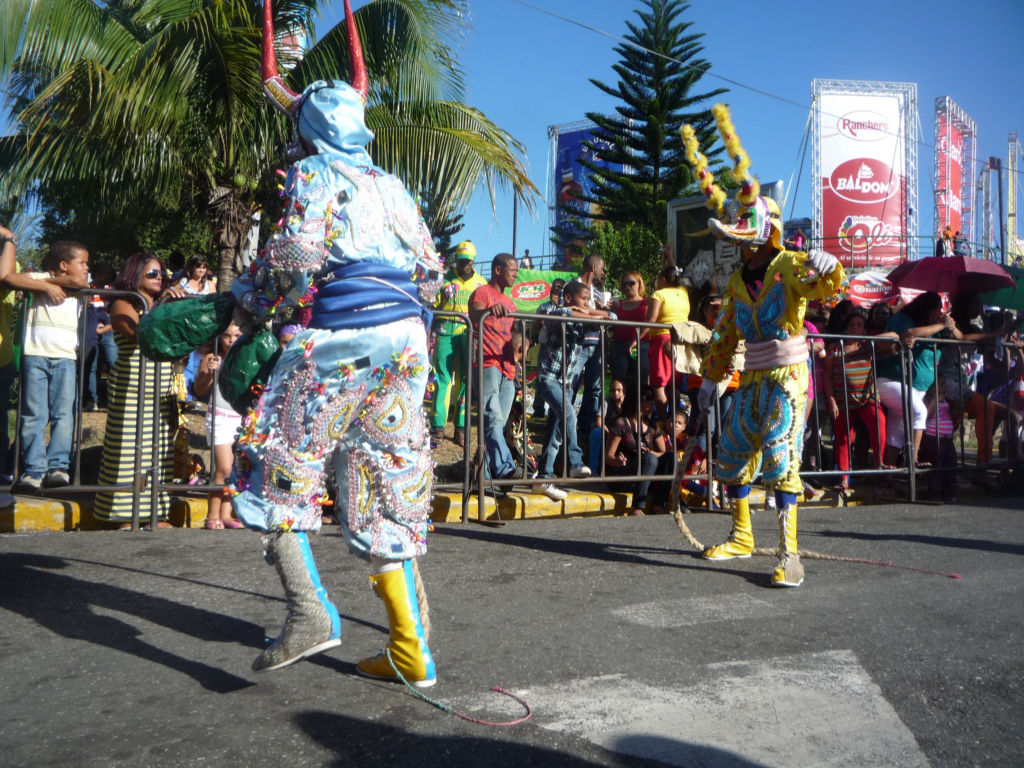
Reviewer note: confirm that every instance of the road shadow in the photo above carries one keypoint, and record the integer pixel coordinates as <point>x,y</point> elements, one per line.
<point>360,742</point>
<point>982,545</point>
<point>602,551</point>
<point>67,605</point>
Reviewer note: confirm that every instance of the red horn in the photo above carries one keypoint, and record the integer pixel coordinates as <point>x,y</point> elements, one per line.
<point>355,54</point>
<point>279,94</point>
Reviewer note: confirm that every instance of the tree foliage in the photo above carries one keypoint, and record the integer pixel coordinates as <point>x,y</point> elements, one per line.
<point>150,112</point>
<point>627,247</point>
<point>659,72</point>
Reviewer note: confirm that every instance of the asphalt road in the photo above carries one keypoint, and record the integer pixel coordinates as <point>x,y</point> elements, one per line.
<point>120,649</point>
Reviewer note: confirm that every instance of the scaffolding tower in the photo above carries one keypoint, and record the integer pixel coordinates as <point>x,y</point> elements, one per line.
<point>1014,244</point>
<point>985,225</point>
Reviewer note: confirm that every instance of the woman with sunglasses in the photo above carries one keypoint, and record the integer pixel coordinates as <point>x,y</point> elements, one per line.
<point>632,306</point>
<point>143,273</point>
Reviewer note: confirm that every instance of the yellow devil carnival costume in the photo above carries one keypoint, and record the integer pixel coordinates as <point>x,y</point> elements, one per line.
<point>763,304</point>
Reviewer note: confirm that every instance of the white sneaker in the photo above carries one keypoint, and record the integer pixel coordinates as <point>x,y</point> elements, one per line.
<point>581,471</point>
<point>553,492</point>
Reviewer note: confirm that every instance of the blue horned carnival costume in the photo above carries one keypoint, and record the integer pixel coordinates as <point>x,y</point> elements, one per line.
<point>763,305</point>
<point>344,395</point>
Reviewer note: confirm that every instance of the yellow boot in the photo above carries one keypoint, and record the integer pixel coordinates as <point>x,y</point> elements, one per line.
<point>789,571</point>
<point>408,645</point>
<point>741,541</point>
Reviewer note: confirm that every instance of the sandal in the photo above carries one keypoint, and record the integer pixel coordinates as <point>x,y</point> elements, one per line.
<point>232,523</point>
<point>213,525</point>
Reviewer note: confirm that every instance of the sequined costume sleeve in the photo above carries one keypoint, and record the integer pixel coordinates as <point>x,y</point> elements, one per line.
<point>331,220</point>
<point>283,274</point>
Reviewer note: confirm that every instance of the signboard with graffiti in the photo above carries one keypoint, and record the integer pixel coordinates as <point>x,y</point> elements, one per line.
<point>570,180</point>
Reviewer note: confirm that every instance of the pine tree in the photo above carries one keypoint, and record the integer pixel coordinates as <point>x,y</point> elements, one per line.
<point>658,71</point>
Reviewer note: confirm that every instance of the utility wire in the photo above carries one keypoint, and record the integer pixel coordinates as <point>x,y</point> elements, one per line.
<point>705,72</point>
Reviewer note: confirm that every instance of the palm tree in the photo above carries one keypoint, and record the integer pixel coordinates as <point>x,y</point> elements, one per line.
<point>149,102</point>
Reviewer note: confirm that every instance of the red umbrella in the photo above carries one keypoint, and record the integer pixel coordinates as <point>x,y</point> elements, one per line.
<point>952,274</point>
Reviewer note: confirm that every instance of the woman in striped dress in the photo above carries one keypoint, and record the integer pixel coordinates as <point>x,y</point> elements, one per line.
<point>143,273</point>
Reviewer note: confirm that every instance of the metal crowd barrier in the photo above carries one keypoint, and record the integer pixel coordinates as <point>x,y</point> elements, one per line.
<point>908,469</point>
<point>140,472</point>
<point>601,478</point>
<point>148,475</point>
<point>466,374</point>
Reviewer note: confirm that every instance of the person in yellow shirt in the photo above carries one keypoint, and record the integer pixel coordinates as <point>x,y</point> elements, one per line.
<point>670,303</point>
<point>764,304</point>
<point>451,352</point>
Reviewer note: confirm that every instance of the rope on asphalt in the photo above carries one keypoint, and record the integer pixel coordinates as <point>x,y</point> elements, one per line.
<point>462,715</point>
<point>677,514</point>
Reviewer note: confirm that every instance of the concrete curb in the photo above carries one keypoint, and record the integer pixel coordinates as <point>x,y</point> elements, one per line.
<point>38,514</point>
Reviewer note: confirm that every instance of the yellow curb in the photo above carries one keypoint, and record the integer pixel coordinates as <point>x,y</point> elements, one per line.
<point>30,514</point>
<point>447,507</point>
<point>34,514</point>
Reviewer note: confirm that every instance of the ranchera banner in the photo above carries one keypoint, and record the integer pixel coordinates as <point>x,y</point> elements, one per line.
<point>863,178</point>
<point>949,153</point>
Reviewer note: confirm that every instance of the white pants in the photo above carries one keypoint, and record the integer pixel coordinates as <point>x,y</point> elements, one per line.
<point>890,394</point>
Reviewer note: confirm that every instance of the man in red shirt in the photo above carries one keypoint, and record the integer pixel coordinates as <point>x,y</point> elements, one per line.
<point>499,362</point>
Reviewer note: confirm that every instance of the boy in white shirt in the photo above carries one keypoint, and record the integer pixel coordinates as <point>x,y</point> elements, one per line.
<point>49,355</point>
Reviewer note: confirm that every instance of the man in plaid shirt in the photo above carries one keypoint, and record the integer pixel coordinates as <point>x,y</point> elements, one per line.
<point>554,370</point>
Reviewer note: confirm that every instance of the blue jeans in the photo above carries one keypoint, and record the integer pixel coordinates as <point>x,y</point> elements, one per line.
<point>7,374</point>
<point>551,391</point>
<point>645,464</point>
<point>107,348</point>
<point>47,398</point>
<point>497,396</point>
<point>592,376</point>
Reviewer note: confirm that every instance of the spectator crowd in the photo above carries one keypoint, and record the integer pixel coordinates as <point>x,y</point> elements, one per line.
<point>598,385</point>
<point>615,373</point>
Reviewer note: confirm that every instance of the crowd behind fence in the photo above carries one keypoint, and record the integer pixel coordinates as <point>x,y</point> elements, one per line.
<point>819,467</point>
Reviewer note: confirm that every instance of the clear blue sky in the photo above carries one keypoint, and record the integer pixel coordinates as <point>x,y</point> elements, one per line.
<point>527,70</point>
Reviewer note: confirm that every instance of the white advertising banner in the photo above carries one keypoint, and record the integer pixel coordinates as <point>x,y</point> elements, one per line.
<point>863,177</point>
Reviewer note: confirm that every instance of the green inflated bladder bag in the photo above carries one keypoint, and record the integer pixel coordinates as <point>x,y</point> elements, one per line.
<point>173,330</point>
<point>247,367</point>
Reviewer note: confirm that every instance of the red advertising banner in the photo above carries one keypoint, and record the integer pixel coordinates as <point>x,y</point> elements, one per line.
<point>863,178</point>
<point>949,153</point>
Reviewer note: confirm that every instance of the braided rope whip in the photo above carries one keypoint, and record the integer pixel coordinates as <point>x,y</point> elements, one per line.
<point>421,599</point>
<point>462,715</point>
<point>677,514</point>
<point>424,607</point>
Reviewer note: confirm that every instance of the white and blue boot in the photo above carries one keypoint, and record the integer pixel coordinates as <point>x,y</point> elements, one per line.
<point>313,624</point>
